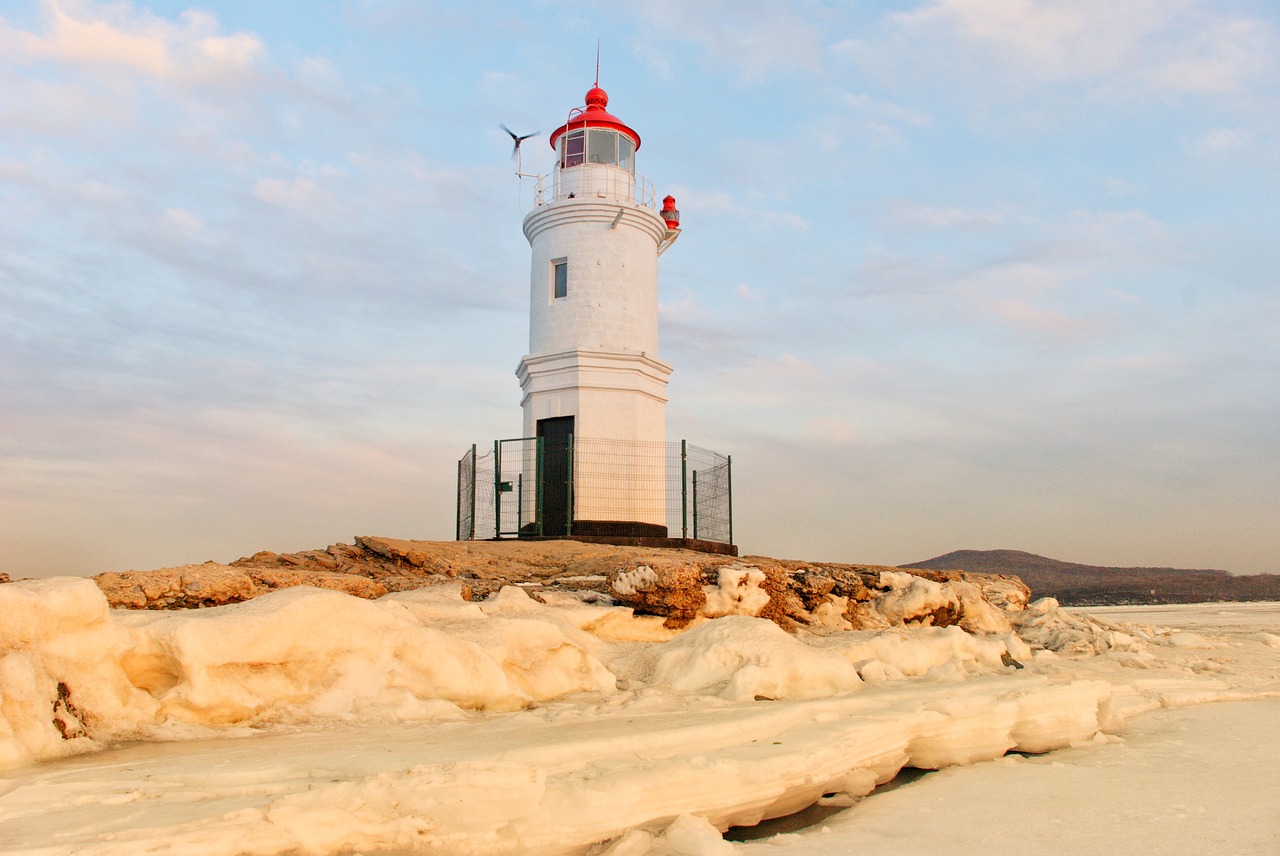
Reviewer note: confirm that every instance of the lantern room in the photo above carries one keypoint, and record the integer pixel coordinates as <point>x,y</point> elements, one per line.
<point>595,155</point>
<point>593,135</point>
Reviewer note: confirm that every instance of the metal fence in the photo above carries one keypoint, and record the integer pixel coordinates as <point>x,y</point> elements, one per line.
<point>525,488</point>
<point>594,182</point>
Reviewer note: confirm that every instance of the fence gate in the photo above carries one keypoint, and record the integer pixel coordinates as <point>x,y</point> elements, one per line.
<point>467,496</point>
<point>517,484</point>
<point>712,503</point>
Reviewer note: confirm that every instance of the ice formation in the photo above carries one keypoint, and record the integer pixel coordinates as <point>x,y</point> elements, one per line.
<point>320,723</point>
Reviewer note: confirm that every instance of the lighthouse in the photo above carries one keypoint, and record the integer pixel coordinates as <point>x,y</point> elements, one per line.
<point>592,461</point>
<point>593,383</point>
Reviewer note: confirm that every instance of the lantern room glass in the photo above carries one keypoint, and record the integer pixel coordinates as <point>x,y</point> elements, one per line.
<point>597,146</point>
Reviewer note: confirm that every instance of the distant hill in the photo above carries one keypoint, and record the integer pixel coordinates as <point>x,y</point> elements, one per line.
<point>1090,585</point>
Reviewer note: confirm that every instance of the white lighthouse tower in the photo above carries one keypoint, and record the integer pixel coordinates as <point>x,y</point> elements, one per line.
<point>594,386</point>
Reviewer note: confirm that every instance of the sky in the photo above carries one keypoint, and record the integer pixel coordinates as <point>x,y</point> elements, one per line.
<point>954,274</point>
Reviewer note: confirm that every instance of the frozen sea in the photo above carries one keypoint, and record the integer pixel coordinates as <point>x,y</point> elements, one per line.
<point>308,722</point>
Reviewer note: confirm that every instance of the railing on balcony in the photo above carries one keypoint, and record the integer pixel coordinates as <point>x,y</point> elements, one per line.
<point>595,181</point>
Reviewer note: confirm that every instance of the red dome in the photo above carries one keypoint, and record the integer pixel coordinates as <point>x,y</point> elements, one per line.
<point>597,97</point>
<point>594,116</point>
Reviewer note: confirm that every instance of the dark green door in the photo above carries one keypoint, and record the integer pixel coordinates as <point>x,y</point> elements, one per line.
<point>557,458</point>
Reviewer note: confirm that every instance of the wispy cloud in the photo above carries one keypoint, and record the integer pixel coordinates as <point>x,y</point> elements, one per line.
<point>121,38</point>
<point>1220,141</point>
<point>758,39</point>
<point>1183,46</point>
<point>927,216</point>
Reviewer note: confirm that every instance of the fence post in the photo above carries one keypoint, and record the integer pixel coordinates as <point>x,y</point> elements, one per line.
<point>684,489</point>
<point>472,535</point>
<point>728,477</point>
<point>457,502</point>
<point>520,497</point>
<point>540,468</point>
<point>695,505</point>
<point>568,488</point>
<point>497,490</point>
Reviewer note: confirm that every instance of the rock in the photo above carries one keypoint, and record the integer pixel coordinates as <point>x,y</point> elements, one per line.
<point>324,560</point>
<point>185,586</point>
<point>377,546</point>
<point>677,585</point>
<point>675,591</point>
<point>270,580</point>
<point>4,578</point>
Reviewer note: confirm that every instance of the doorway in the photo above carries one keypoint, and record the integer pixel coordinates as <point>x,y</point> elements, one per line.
<point>557,474</point>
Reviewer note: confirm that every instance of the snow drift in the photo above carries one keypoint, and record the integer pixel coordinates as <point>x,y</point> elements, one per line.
<point>424,721</point>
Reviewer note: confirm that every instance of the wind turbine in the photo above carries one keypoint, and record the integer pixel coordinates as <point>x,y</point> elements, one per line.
<point>516,140</point>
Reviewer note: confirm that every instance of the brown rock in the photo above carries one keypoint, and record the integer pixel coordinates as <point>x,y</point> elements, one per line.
<point>324,560</point>
<point>358,586</point>
<point>262,557</point>
<point>186,586</point>
<point>674,591</point>
<point>664,582</point>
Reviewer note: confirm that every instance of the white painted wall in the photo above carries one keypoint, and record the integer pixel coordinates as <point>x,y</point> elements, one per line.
<point>593,354</point>
<point>612,300</point>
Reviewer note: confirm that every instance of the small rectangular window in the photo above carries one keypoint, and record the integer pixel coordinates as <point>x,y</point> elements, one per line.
<point>560,279</point>
<point>571,154</point>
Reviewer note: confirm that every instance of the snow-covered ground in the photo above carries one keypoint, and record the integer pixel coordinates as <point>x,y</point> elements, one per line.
<point>311,722</point>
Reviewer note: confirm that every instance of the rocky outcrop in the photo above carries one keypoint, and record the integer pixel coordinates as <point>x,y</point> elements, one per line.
<point>211,584</point>
<point>4,578</point>
<point>680,586</point>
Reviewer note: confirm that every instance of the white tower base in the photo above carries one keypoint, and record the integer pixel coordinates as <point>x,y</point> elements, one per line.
<point>616,401</point>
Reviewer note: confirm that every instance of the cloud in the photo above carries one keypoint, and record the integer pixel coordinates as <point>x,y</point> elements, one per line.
<point>180,222</point>
<point>1025,297</point>
<point>1051,281</point>
<point>712,201</point>
<point>300,194</point>
<point>927,216</point>
<point>1220,141</point>
<point>210,284</point>
<point>116,37</point>
<point>759,39</point>
<point>1224,55</point>
<point>848,116</point>
<point>1051,40</point>
<point>888,110</point>
<point>1179,46</point>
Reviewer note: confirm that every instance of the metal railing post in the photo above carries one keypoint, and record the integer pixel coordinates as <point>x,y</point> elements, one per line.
<point>684,489</point>
<point>471,536</point>
<point>728,478</point>
<point>695,505</point>
<point>519,499</point>
<point>568,523</point>
<point>540,469</point>
<point>497,489</point>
